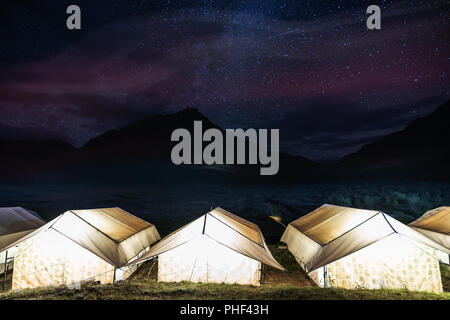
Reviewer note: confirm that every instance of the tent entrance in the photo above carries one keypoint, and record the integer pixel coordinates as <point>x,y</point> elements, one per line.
<point>204,260</point>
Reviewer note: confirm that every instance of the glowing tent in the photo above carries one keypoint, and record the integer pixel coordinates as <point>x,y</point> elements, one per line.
<point>15,223</point>
<point>435,224</point>
<point>351,248</point>
<point>82,245</point>
<point>217,247</point>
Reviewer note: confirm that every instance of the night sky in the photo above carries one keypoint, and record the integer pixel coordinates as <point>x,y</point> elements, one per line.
<point>309,68</point>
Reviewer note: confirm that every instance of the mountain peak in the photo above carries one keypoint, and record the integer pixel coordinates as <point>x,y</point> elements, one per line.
<point>189,110</point>
<point>155,130</point>
<point>190,114</point>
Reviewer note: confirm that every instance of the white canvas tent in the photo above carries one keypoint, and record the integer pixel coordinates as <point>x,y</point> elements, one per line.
<point>81,245</point>
<point>15,223</point>
<point>435,224</point>
<point>351,248</point>
<point>217,247</point>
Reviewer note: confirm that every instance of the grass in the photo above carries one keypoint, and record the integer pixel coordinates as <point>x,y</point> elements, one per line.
<point>145,289</point>
<point>293,285</point>
<point>445,273</point>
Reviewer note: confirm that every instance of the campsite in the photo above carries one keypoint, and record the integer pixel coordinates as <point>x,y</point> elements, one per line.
<point>224,150</point>
<point>144,287</point>
<point>156,205</point>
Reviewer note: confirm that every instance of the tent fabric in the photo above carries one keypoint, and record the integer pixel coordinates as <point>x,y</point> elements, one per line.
<point>330,234</point>
<point>15,223</point>
<point>363,228</point>
<point>79,226</point>
<point>373,230</point>
<point>88,244</point>
<point>435,225</point>
<point>301,246</point>
<point>219,229</point>
<point>413,235</point>
<point>329,222</point>
<point>358,238</point>
<point>113,222</point>
<point>392,262</point>
<point>246,228</point>
<point>32,234</point>
<point>217,225</point>
<point>230,238</point>
<point>440,238</point>
<point>436,220</point>
<point>52,259</point>
<point>205,260</point>
<point>175,239</point>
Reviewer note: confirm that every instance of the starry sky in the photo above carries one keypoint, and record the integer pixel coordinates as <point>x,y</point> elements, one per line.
<point>309,68</point>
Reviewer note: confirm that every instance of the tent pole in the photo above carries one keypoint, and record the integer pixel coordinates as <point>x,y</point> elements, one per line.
<point>324,276</point>
<point>204,225</point>
<point>5,270</point>
<point>260,273</point>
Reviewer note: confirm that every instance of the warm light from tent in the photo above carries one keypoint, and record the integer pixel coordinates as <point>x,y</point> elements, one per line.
<point>277,219</point>
<point>205,260</point>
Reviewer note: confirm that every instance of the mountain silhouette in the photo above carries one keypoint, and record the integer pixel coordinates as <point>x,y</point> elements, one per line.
<point>138,152</point>
<point>148,143</point>
<point>149,139</point>
<point>141,153</point>
<point>421,150</point>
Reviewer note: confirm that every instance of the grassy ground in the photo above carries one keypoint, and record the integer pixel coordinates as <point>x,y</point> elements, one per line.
<point>143,289</point>
<point>293,285</point>
<point>445,273</point>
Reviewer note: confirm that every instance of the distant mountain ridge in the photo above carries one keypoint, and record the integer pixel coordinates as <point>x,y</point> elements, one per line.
<point>150,137</point>
<point>421,149</point>
<point>141,152</point>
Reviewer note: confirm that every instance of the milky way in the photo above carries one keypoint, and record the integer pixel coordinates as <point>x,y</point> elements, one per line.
<point>312,70</point>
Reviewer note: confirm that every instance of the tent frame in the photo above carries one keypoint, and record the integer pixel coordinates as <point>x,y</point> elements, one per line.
<point>5,271</point>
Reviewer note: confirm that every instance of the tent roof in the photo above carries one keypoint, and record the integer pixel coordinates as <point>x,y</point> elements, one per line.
<point>246,228</point>
<point>435,224</point>
<point>113,222</point>
<point>17,219</point>
<point>226,229</point>
<point>355,229</point>
<point>329,222</point>
<point>113,234</point>
<point>16,222</point>
<point>437,220</point>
